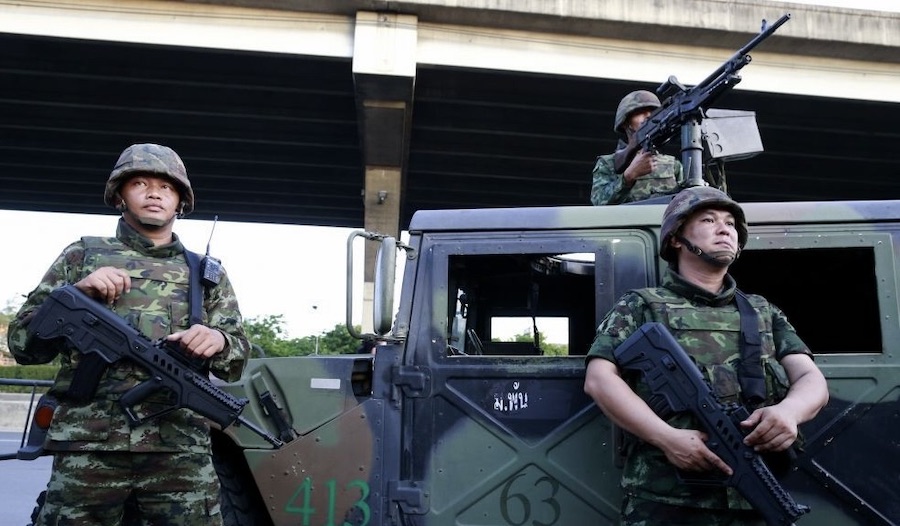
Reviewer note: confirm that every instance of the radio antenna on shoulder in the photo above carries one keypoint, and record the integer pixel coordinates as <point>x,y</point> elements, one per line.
<point>211,232</point>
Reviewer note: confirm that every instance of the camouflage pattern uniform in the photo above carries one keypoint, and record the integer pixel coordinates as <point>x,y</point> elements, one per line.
<point>99,459</point>
<point>708,327</point>
<point>608,187</point>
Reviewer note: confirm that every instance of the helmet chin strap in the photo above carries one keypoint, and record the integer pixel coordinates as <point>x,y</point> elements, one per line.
<point>713,258</point>
<point>149,223</point>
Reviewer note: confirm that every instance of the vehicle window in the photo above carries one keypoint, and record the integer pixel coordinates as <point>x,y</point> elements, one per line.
<point>553,332</point>
<point>830,295</point>
<point>503,299</point>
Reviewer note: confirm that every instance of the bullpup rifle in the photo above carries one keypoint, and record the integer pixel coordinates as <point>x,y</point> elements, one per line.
<point>677,386</point>
<point>104,338</point>
<point>683,108</point>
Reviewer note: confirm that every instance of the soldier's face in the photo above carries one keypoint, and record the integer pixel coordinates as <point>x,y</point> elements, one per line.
<point>638,117</point>
<point>150,200</point>
<point>714,232</point>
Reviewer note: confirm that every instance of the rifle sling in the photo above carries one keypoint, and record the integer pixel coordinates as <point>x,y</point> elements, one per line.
<point>750,370</point>
<point>195,300</point>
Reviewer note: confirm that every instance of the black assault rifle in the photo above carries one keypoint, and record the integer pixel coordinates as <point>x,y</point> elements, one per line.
<point>104,338</point>
<point>683,106</point>
<point>678,386</point>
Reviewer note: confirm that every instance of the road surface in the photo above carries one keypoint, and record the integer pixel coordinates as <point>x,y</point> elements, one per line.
<point>21,481</point>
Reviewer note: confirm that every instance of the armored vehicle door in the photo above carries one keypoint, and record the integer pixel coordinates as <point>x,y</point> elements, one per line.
<point>837,283</point>
<point>496,429</point>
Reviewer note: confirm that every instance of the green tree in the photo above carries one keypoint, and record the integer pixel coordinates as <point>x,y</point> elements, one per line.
<point>338,341</point>
<point>12,307</point>
<point>548,349</point>
<point>268,332</point>
<point>6,315</point>
<point>335,341</point>
<point>9,311</point>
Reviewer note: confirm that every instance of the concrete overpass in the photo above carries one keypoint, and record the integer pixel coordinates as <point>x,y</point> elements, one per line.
<point>359,112</point>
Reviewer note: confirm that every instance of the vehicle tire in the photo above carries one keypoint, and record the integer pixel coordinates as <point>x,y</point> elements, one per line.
<point>39,503</point>
<point>239,498</point>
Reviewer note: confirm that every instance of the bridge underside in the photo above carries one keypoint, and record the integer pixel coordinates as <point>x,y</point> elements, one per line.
<point>323,139</point>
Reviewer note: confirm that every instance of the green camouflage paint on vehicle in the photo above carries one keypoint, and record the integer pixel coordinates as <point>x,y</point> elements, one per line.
<point>427,432</point>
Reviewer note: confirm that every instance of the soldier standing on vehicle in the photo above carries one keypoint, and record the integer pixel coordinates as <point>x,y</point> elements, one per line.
<point>650,174</point>
<point>703,232</point>
<point>143,275</point>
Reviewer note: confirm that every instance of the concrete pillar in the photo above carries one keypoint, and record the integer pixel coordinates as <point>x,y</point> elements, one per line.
<point>384,71</point>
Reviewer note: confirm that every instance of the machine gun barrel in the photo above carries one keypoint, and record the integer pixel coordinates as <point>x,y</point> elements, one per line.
<point>742,56</point>
<point>684,106</point>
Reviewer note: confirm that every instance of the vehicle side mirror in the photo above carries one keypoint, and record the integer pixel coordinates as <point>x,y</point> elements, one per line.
<point>385,275</point>
<point>383,291</point>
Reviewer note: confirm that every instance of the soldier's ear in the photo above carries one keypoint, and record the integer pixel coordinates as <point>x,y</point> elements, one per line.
<point>674,243</point>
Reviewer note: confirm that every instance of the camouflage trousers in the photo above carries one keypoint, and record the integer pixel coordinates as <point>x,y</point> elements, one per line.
<point>166,489</point>
<point>641,512</point>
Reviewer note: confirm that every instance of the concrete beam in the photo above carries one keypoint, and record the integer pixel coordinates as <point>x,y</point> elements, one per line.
<point>183,24</point>
<point>816,31</point>
<point>825,52</point>
<point>384,72</point>
<point>653,62</point>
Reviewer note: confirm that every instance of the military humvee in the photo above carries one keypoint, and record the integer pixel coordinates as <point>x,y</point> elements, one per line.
<point>447,424</point>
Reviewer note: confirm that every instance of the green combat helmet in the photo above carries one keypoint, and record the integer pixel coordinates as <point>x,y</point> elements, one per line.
<point>154,159</point>
<point>688,201</point>
<point>635,100</point>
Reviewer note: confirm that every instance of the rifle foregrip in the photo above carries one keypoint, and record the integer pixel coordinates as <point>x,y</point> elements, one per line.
<point>136,395</point>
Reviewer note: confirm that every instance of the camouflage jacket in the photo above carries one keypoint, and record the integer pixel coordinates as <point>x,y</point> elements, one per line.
<point>708,328</point>
<point>607,187</point>
<point>157,305</point>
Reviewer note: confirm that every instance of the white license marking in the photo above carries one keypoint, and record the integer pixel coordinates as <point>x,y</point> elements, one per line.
<point>325,383</point>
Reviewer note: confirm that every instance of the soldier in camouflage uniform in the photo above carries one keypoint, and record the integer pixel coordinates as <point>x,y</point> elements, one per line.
<point>650,174</point>
<point>142,275</point>
<point>703,232</point>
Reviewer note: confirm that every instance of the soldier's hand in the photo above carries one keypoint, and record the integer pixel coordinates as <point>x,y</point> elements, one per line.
<point>105,284</point>
<point>773,429</point>
<point>642,164</point>
<point>686,449</point>
<point>199,340</point>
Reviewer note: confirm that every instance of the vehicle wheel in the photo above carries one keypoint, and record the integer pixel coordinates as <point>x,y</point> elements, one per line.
<point>39,503</point>
<point>239,498</point>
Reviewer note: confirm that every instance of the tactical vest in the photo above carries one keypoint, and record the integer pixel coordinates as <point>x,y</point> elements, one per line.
<point>711,335</point>
<point>156,305</point>
<point>152,279</point>
<point>661,181</point>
